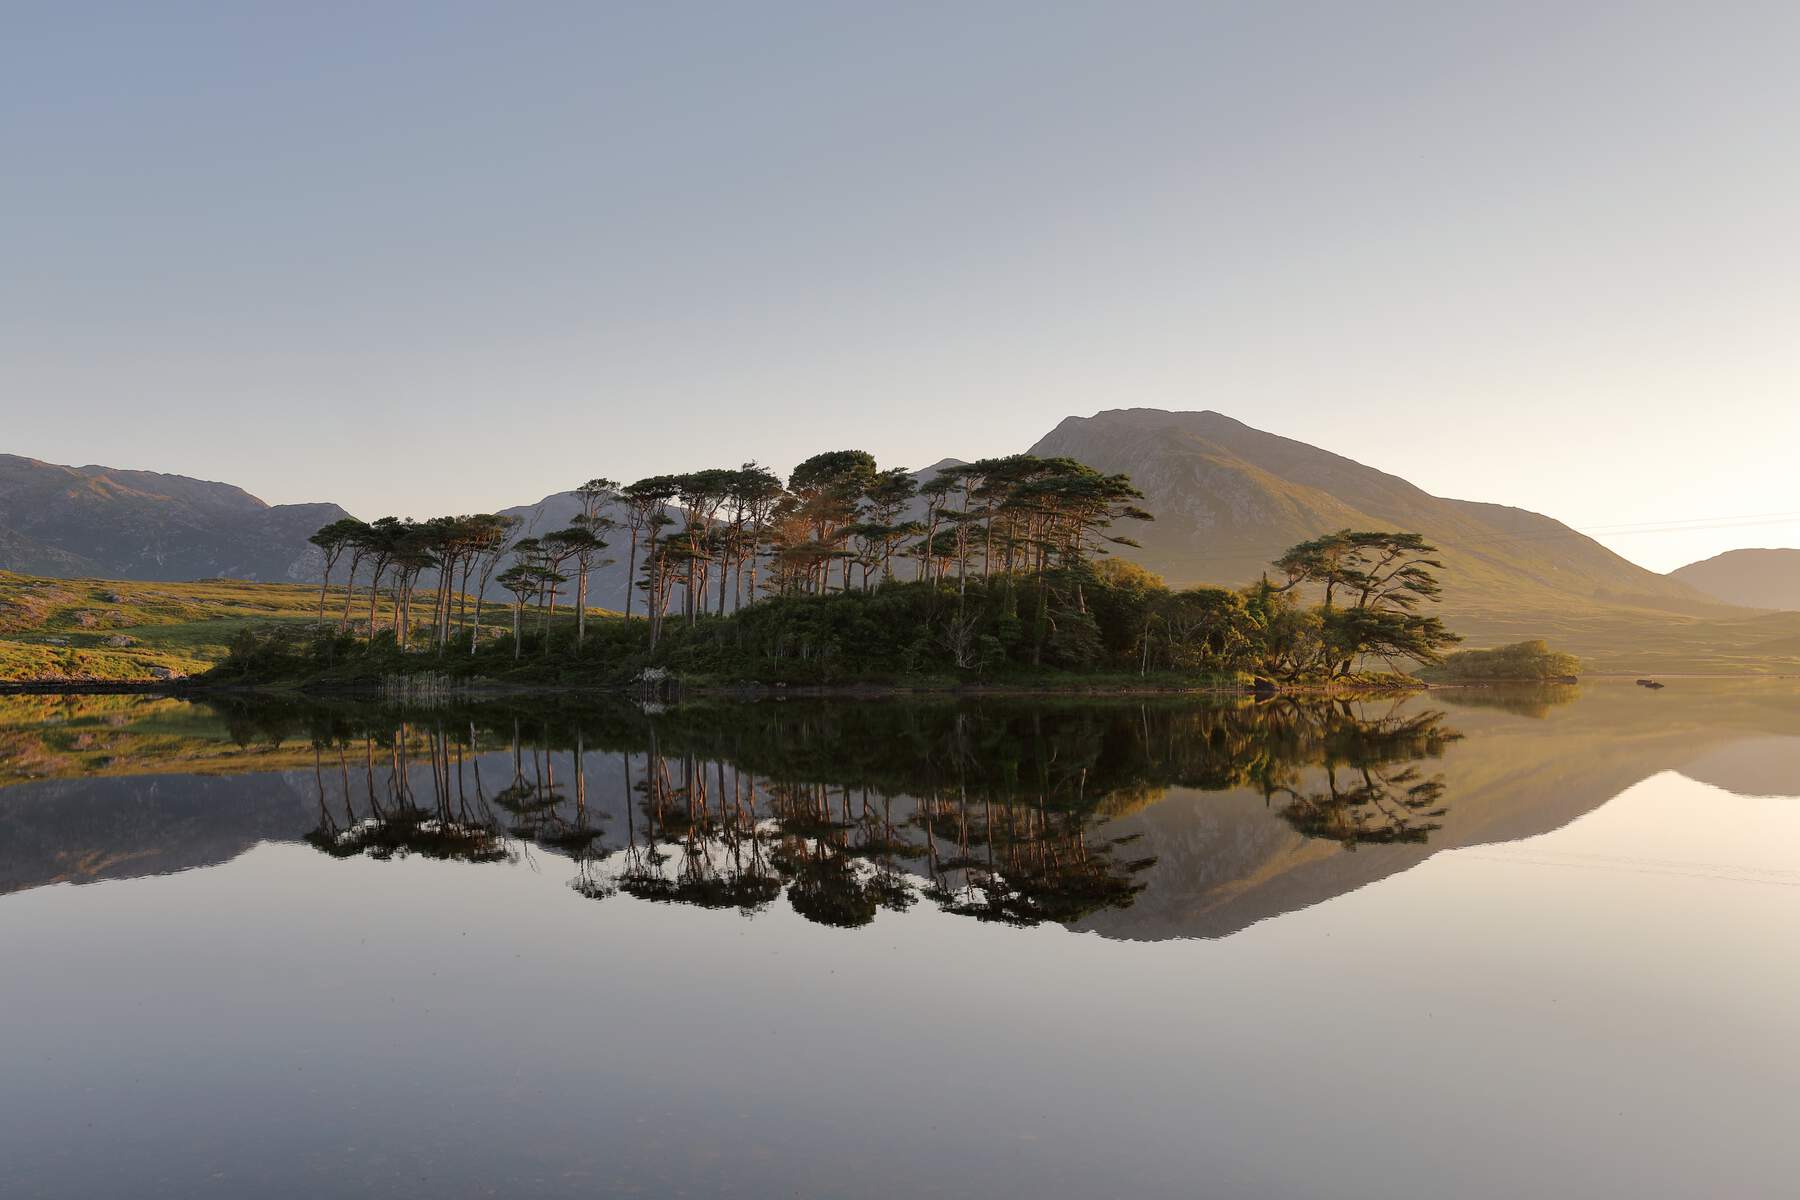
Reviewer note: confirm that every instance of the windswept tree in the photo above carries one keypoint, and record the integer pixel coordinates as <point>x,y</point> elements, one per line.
<point>1384,577</point>
<point>596,495</point>
<point>521,579</point>
<point>750,499</point>
<point>885,527</point>
<point>490,538</point>
<point>936,542</point>
<point>828,490</point>
<point>646,513</point>
<point>577,543</point>
<point>414,553</point>
<point>384,540</point>
<point>1372,568</point>
<point>361,543</point>
<point>661,570</point>
<point>701,494</point>
<point>486,540</point>
<point>1393,635</point>
<point>332,540</point>
<point>448,541</point>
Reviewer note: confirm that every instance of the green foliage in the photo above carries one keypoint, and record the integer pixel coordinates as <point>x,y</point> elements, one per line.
<point>1075,621</point>
<point>1011,578</point>
<point>1520,661</point>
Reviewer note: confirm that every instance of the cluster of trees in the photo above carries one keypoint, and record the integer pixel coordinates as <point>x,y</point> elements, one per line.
<point>1332,614</point>
<point>456,552</point>
<point>713,540</point>
<point>848,569</point>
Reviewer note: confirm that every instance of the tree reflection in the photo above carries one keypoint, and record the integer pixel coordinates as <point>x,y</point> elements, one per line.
<point>394,822</point>
<point>1373,789</point>
<point>995,811</point>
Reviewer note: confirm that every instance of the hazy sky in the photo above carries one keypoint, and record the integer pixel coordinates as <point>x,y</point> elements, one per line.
<point>418,258</point>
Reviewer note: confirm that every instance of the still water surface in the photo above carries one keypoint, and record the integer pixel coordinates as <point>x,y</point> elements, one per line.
<point>1468,944</point>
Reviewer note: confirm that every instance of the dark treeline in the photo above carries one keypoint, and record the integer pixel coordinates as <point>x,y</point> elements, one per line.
<point>991,809</point>
<point>851,571</point>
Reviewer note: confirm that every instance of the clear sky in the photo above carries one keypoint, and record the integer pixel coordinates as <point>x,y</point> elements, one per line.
<point>436,257</point>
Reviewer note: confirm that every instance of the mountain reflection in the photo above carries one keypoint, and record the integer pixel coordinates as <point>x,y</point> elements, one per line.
<point>1144,819</point>
<point>996,811</point>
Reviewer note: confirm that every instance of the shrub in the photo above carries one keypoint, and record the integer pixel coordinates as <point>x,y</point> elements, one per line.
<point>1525,661</point>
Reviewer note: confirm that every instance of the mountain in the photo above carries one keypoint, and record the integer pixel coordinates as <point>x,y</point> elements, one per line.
<point>1752,578</point>
<point>107,523</point>
<point>609,584</point>
<point>1229,498</point>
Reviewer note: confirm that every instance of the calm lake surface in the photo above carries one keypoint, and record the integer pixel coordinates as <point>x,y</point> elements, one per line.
<point>1469,944</point>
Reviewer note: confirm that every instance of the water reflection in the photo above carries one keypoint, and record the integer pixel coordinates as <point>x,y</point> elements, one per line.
<point>1002,811</point>
<point>395,821</point>
<point>1373,789</point>
<point>525,951</point>
<point>1131,818</point>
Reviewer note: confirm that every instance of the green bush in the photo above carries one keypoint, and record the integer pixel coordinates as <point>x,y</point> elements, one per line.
<point>1525,661</point>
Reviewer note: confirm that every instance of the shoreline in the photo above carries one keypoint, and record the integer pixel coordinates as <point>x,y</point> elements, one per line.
<point>397,690</point>
<point>397,687</point>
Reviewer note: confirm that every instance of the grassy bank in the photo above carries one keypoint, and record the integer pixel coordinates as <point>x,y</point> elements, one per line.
<point>96,630</point>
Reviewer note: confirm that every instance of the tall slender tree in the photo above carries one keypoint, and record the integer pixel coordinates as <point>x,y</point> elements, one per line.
<point>332,540</point>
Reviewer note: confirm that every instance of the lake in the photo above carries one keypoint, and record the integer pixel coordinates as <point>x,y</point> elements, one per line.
<point>1473,943</point>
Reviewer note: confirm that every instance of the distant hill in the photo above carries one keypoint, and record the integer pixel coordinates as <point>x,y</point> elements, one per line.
<point>608,584</point>
<point>1228,498</point>
<point>1752,578</point>
<point>107,523</point>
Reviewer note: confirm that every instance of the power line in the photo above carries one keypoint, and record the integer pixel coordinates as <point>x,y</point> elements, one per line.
<point>1682,520</point>
<point>1757,518</point>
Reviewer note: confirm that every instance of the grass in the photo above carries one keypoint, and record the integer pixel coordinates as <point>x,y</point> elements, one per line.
<point>1620,640</point>
<point>44,737</point>
<point>100,629</point>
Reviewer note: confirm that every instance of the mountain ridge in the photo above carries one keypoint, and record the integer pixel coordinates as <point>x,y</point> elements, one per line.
<point>1754,577</point>
<point>95,521</point>
<point>1229,498</point>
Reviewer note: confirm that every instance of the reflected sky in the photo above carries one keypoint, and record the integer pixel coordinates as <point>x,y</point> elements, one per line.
<point>1560,992</point>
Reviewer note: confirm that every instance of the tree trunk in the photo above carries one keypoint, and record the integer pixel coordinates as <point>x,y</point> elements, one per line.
<point>374,593</point>
<point>581,607</point>
<point>349,592</point>
<point>549,616</point>
<point>462,597</point>
<point>323,585</point>
<point>631,573</point>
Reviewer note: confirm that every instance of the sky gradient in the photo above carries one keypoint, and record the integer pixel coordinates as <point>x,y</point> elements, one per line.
<point>447,257</point>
